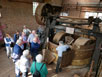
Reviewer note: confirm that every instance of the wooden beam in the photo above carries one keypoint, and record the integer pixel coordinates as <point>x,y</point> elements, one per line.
<point>22,1</point>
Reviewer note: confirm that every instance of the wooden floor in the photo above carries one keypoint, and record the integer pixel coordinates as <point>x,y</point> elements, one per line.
<point>7,68</point>
<point>6,65</point>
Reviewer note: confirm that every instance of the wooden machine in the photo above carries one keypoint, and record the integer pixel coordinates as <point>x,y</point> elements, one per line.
<point>83,35</point>
<point>85,41</point>
<point>86,47</point>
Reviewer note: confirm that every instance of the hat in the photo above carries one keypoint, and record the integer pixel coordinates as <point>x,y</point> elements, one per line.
<point>25,53</point>
<point>39,58</point>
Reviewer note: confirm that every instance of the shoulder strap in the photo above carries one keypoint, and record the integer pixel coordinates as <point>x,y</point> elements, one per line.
<point>42,66</point>
<point>35,66</point>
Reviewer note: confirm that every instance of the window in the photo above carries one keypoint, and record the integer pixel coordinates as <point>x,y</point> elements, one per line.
<point>35,4</point>
<point>94,14</point>
<point>100,15</point>
<point>63,14</point>
<point>0,14</point>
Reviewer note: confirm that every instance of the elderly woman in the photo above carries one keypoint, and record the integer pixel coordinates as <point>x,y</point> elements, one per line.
<point>43,71</point>
<point>8,40</point>
<point>24,63</point>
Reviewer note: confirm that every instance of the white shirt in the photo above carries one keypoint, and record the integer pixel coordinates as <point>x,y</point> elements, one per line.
<point>30,38</point>
<point>27,31</point>
<point>11,40</point>
<point>61,49</point>
<point>24,64</point>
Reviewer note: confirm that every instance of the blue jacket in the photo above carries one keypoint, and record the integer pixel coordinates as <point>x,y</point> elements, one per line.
<point>17,49</point>
<point>17,52</point>
<point>7,41</point>
<point>34,47</point>
<point>16,38</point>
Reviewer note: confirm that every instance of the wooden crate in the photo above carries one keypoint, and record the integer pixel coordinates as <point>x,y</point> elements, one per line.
<point>67,58</point>
<point>52,47</point>
<point>48,56</point>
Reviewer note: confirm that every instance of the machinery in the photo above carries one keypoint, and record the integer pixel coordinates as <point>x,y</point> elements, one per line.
<point>76,26</point>
<point>45,9</point>
<point>45,15</point>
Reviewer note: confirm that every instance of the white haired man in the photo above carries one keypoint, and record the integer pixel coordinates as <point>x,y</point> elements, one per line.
<point>24,63</point>
<point>60,49</point>
<point>41,67</point>
<point>34,48</point>
<point>31,36</point>
<point>17,52</point>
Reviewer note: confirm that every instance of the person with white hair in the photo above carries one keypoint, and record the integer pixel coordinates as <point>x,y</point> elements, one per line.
<point>17,52</point>
<point>26,30</point>
<point>43,71</point>
<point>31,36</point>
<point>21,39</point>
<point>34,48</point>
<point>60,49</point>
<point>24,63</point>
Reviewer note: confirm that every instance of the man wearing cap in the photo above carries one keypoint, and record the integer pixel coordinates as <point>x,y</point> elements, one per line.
<point>60,49</point>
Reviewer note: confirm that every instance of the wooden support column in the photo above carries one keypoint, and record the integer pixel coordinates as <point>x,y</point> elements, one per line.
<point>96,54</point>
<point>46,31</point>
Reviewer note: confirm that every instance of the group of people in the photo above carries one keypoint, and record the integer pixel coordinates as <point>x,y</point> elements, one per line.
<point>28,43</point>
<point>20,47</point>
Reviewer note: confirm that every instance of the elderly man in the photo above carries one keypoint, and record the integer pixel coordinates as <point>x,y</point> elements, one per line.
<point>17,52</point>
<point>26,30</point>
<point>34,48</point>
<point>31,37</point>
<point>60,49</point>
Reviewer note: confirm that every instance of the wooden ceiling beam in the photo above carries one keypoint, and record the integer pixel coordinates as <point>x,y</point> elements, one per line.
<point>22,1</point>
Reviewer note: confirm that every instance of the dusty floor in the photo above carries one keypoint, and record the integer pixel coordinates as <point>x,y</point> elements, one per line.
<point>7,68</point>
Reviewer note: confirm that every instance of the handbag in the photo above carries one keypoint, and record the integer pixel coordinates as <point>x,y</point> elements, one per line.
<point>12,44</point>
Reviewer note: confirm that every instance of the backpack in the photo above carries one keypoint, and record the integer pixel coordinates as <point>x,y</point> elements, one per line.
<point>37,73</point>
